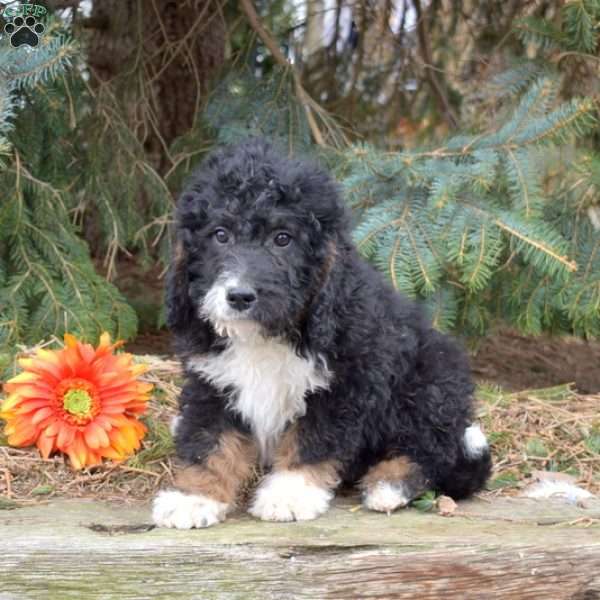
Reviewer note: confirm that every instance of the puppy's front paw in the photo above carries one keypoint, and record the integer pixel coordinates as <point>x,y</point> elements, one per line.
<point>184,511</point>
<point>385,496</point>
<point>288,496</point>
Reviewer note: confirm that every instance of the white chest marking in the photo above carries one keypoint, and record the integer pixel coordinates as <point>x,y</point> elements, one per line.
<point>269,382</point>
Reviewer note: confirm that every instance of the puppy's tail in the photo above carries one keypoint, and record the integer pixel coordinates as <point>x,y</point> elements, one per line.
<point>472,468</point>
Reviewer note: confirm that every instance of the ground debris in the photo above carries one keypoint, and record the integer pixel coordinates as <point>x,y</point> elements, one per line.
<point>553,429</point>
<point>446,506</point>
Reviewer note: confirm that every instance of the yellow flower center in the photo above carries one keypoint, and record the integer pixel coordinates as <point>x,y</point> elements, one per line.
<point>77,402</point>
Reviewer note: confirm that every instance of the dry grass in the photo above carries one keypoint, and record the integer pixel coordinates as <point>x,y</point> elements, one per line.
<point>553,429</point>
<point>25,477</point>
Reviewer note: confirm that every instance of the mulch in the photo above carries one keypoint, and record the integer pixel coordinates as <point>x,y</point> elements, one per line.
<point>544,426</point>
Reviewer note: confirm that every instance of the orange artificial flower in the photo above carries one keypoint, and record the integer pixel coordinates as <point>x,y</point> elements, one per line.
<point>82,401</point>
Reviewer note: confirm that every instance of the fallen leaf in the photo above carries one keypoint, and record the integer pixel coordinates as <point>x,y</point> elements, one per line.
<point>553,476</point>
<point>556,488</point>
<point>446,506</point>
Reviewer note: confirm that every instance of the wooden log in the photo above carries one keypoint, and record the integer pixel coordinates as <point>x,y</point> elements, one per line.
<point>506,548</point>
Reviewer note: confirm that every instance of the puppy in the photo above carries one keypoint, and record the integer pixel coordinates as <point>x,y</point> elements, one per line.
<point>298,355</point>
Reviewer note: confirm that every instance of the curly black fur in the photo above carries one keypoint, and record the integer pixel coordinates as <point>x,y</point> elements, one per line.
<point>398,387</point>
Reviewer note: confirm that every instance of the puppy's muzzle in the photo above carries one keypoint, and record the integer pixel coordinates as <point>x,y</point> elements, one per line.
<point>241,298</point>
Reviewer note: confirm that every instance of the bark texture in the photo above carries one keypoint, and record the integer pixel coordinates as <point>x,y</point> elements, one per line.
<point>159,57</point>
<point>503,549</point>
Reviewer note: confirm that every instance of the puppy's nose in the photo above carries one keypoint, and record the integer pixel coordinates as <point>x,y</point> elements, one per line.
<point>241,298</point>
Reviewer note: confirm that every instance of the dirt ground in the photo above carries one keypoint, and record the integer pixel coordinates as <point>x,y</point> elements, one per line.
<point>506,358</point>
<point>531,429</point>
<point>517,362</point>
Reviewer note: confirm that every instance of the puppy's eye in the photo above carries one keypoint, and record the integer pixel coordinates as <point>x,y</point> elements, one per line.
<point>221,236</point>
<point>282,239</point>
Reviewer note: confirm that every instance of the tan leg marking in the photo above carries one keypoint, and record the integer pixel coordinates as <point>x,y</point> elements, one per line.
<point>223,473</point>
<point>287,458</point>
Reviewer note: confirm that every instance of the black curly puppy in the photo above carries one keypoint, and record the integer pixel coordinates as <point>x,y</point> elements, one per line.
<point>299,355</point>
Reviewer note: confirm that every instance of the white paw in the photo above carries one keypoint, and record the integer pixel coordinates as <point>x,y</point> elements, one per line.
<point>288,496</point>
<point>184,511</point>
<point>386,497</point>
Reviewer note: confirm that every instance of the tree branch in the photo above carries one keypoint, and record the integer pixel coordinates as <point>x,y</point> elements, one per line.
<point>281,60</point>
<point>435,85</point>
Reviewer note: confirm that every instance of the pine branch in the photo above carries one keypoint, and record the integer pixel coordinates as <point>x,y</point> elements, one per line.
<point>580,25</point>
<point>28,69</point>
<point>275,51</point>
<point>474,215</point>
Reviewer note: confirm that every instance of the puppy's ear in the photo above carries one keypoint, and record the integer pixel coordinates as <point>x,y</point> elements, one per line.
<point>321,323</point>
<point>189,214</point>
<point>179,305</point>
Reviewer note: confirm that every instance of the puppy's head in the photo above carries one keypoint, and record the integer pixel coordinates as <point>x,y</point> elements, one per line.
<point>257,234</point>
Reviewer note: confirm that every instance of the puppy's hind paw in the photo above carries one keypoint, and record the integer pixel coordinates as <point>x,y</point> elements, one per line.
<point>385,496</point>
<point>172,508</point>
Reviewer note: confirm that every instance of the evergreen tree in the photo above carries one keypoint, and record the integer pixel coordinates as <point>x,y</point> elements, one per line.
<point>48,282</point>
<point>498,223</point>
<point>474,228</point>
<point>486,226</point>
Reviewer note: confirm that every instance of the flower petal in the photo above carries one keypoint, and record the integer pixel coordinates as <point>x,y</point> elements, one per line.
<point>45,444</point>
<point>86,352</point>
<point>137,408</point>
<point>132,437</point>
<point>41,414</point>
<point>48,371</point>
<point>104,422</point>
<point>104,343</point>
<point>24,377</point>
<point>119,442</point>
<point>78,453</point>
<point>70,340</point>
<point>111,378</point>
<point>53,428</point>
<point>37,390</point>
<point>10,403</point>
<point>119,388</point>
<point>29,405</point>
<point>24,435</point>
<point>65,437</point>
<point>95,436</point>
<point>51,357</point>
<point>113,409</point>
<point>93,458</point>
<point>104,347</point>
<point>72,361</point>
<point>139,370</point>
<point>112,454</point>
<point>74,458</point>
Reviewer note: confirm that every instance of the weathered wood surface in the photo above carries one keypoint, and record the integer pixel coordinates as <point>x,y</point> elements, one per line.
<point>509,548</point>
